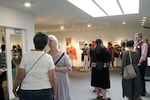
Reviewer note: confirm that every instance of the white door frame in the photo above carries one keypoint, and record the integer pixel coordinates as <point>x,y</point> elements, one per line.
<point>10,31</point>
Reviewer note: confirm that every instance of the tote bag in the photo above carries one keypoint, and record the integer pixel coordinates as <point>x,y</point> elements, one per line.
<point>129,72</point>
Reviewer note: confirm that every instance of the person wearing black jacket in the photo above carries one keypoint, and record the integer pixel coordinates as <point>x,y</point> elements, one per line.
<point>100,72</point>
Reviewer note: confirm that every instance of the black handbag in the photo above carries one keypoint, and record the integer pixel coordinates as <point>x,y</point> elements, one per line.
<point>18,90</point>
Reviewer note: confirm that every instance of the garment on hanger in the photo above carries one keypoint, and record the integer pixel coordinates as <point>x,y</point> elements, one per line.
<point>72,52</point>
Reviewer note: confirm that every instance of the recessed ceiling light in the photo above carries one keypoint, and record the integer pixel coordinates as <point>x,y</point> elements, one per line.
<point>62,27</point>
<point>89,25</point>
<point>143,20</point>
<point>144,17</point>
<point>44,31</point>
<point>142,24</point>
<point>123,22</point>
<point>27,4</point>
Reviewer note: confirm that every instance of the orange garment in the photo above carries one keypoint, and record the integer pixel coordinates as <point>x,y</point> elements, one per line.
<point>72,51</point>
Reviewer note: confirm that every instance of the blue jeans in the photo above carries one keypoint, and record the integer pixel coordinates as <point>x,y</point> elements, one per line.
<point>44,94</point>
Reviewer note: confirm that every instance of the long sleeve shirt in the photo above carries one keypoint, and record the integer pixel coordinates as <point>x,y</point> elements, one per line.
<point>142,47</point>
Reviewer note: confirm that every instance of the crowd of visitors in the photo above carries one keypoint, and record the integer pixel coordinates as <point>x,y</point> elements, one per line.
<point>45,76</point>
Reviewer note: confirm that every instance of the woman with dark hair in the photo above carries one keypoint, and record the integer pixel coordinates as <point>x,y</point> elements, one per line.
<point>36,73</point>
<point>123,45</point>
<point>100,72</point>
<point>131,87</point>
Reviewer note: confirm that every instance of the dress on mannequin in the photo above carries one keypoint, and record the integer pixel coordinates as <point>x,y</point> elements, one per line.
<point>72,53</point>
<point>85,58</point>
<point>117,49</point>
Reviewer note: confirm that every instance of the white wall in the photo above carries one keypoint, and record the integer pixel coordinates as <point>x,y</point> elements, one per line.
<point>18,19</point>
<point>115,35</point>
<point>12,19</point>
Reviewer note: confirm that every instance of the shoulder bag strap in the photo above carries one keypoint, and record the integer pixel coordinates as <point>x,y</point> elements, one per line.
<point>35,63</point>
<point>32,66</point>
<point>130,57</point>
<point>59,58</point>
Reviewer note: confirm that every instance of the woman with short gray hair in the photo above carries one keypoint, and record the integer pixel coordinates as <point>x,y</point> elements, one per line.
<point>62,68</point>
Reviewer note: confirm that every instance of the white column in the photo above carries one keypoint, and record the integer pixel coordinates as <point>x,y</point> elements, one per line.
<point>9,66</point>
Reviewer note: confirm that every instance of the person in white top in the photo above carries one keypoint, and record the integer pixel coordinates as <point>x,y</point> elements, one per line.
<point>37,83</point>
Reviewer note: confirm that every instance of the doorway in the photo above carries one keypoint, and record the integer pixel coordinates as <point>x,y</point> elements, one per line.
<point>15,43</point>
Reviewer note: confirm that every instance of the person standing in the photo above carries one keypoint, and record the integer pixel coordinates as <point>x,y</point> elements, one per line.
<point>2,72</point>
<point>62,68</point>
<point>1,86</point>
<point>132,88</point>
<point>18,53</point>
<point>36,73</point>
<point>147,42</point>
<point>90,54</point>
<point>85,57</point>
<point>123,46</point>
<point>142,48</point>
<point>111,51</point>
<point>100,72</point>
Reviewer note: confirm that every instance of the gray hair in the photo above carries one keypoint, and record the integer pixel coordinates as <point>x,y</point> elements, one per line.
<point>138,34</point>
<point>53,38</point>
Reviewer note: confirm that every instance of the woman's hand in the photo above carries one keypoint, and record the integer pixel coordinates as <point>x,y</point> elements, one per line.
<point>62,69</point>
<point>139,64</point>
<point>15,92</point>
<point>54,97</point>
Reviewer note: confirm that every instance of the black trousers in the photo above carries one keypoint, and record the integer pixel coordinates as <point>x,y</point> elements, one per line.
<point>1,93</point>
<point>142,74</point>
<point>2,77</point>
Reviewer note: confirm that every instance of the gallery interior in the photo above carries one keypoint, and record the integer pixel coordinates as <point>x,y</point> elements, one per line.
<point>74,26</point>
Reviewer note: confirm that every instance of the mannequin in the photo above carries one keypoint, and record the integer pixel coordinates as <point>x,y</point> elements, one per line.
<point>85,57</point>
<point>72,53</point>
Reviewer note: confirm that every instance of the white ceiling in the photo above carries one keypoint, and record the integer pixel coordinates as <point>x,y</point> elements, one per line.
<point>51,14</point>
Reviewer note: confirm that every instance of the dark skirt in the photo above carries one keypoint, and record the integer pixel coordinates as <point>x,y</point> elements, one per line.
<point>132,88</point>
<point>100,78</point>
